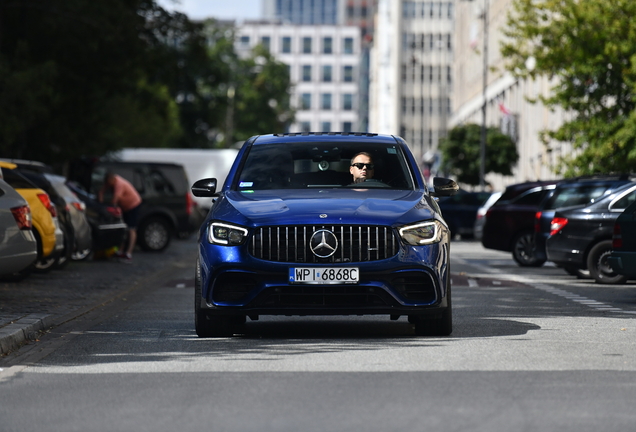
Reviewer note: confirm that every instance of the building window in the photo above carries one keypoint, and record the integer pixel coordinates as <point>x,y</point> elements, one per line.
<point>327,45</point>
<point>306,45</point>
<point>245,41</point>
<point>347,101</point>
<point>347,74</point>
<point>306,73</point>
<point>326,73</point>
<point>305,126</point>
<point>326,126</point>
<point>347,45</point>
<point>286,44</point>
<point>326,101</point>
<point>305,101</point>
<point>347,127</point>
<point>266,41</point>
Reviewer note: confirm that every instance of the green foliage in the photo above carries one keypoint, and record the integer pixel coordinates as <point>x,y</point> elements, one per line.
<point>461,153</point>
<point>86,77</point>
<point>587,46</point>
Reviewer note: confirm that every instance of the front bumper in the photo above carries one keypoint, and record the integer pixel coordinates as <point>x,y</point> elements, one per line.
<point>414,281</point>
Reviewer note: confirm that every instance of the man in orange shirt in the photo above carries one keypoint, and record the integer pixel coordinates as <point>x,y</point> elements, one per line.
<point>126,197</point>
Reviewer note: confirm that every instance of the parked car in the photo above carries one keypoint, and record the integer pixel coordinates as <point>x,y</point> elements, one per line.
<point>622,258</point>
<point>460,211</point>
<point>290,234</point>
<point>168,207</point>
<point>70,209</point>
<point>571,192</point>
<point>509,222</point>
<point>108,229</point>
<point>46,230</point>
<point>480,219</point>
<point>18,248</point>
<point>581,235</point>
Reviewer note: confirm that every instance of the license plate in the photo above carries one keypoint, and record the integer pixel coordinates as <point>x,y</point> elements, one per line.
<point>325,275</point>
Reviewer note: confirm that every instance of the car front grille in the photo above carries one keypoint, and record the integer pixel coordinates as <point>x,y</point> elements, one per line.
<point>323,297</point>
<point>355,243</point>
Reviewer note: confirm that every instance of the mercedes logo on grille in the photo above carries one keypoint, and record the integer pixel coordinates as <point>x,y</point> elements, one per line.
<point>323,243</point>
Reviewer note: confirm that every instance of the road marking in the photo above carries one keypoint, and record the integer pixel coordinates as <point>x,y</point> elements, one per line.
<point>593,304</point>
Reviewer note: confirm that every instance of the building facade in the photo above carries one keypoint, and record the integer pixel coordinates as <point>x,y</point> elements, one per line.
<point>324,66</point>
<point>411,78</point>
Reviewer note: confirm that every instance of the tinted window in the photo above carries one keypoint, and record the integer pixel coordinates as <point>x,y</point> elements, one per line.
<point>532,198</point>
<point>17,181</point>
<point>575,195</point>
<point>625,201</point>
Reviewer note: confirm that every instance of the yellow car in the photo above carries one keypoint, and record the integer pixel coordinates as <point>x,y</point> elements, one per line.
<point>42,210</point>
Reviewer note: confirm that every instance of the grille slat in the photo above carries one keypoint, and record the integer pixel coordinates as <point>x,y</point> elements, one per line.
<point>355,243</point>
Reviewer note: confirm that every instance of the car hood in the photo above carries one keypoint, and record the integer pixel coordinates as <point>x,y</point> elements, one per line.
<point>337,206</point>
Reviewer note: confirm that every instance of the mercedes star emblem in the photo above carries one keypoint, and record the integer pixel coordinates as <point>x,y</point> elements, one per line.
<point>323,243</point>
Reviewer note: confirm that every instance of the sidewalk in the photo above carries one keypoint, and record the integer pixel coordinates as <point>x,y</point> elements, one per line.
<point>43,301</point>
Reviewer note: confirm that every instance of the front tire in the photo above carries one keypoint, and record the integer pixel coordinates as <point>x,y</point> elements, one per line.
<point>598,266</point>
<point>523,250</point>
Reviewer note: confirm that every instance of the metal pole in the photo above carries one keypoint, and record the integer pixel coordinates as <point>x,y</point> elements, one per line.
<point>482,146</point>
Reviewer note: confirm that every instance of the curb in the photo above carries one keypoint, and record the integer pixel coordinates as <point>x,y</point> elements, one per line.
<point>25,329</point>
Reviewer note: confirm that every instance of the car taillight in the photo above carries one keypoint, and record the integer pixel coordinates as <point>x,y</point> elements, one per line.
<point>557,224</point>
<point>79,205</point>
<point>189,203</point>
<point>115,211</point>
<point>22,216</point>
<point>537,222</point>
<point>48,204</point>
<point>617,238</point>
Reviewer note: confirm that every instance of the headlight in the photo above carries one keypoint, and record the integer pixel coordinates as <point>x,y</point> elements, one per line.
<point>224,234</point>
<point>422,233</point>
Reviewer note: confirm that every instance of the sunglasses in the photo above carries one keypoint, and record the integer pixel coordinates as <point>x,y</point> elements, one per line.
<point>359,165</point>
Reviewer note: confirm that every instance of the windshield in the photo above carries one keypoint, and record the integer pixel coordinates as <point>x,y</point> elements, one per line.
<point>323,165</point>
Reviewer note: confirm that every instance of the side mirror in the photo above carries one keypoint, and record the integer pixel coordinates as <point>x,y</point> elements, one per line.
<point>444,187</point>
<point>204,187</point>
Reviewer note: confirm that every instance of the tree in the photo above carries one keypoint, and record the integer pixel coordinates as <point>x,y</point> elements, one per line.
<point>461,153</point>
<point>587,47</point>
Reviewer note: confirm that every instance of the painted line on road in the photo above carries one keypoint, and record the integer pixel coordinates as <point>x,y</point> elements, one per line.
<point>593,304</point>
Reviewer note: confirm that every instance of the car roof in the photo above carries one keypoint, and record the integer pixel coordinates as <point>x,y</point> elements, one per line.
<point>311,137</point>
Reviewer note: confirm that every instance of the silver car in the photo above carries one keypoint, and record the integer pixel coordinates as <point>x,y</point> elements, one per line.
<point>18,247</point>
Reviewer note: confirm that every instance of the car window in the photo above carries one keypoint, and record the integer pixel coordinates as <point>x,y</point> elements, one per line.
<point>532,197</point>
<point>624,202</point>
<point>17,181</point>
<point>575,195</point>
<point>319,165</point>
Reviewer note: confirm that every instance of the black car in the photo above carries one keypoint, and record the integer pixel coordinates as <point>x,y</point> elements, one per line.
<point>509,224</point>
<point>622,259</point>
<point>167,208</point>
<point>108,229</point>
<point>581,236</point>
<point>568,193</point>
<point>460,211</point>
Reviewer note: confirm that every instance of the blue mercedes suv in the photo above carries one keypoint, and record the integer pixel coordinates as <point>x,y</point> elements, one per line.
<point>323,224</point>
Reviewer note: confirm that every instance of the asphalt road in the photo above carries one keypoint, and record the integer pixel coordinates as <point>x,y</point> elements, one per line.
<point>532,350</point>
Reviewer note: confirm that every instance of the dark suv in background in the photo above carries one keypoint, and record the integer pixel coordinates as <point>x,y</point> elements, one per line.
<point>509,222</point>
<point>572,192</point>
<point>167,207</point>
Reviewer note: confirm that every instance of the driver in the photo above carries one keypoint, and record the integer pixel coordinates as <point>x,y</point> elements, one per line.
<point>361,167</point>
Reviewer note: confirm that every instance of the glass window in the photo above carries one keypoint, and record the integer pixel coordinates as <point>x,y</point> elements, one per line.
<point>305,101</point>
<point>326,73</point>
<point>326,101</point>
<point>347,127</point>
<point>266,41</point>
<point>326,126</point>
<point>347,45</point>
<point>306,73</point>
<point>624,202</point>
<point>306,45</point>
<point>347,74</point>
<point>305,126</point>
<point>327,45</point>
<point>286,45</point>
<point>245,40</point>
<point>347,101</point>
